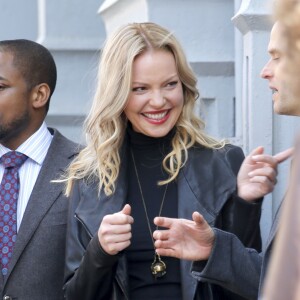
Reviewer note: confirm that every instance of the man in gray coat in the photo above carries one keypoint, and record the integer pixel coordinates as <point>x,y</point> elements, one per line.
<point>219,257</point>
<point>36,266</point>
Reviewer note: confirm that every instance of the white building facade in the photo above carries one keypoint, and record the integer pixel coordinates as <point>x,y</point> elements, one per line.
<point>225,42</point>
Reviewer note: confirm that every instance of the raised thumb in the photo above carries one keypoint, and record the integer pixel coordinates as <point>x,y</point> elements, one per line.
<point>126,209</point>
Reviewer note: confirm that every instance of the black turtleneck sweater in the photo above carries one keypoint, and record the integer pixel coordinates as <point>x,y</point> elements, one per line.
<point>148,154</point>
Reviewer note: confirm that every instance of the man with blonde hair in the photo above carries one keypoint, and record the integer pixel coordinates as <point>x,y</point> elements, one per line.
<point>282,280</point>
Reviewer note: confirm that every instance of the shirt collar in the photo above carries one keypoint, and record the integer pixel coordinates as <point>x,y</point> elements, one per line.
<point>36,146</point>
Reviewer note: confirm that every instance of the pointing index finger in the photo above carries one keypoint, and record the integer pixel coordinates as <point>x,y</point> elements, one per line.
<point>284,155</point>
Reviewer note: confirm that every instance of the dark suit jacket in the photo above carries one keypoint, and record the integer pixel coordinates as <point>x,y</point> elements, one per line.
<point>234,267</point>
<point>37,264</point>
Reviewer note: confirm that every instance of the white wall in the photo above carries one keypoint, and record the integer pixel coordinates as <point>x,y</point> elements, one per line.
<point>226,56</point>
<point>73,31</point>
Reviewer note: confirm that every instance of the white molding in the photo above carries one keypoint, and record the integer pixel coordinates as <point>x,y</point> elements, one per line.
<point>106,5</point>
<point>70,44</point>
<point>118,12</point>
<point>41,4</point>
<point>253,15</point>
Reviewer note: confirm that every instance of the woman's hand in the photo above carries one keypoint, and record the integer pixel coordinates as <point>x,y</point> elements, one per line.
<point>257,175</point>
<point>184,239</point>
<point>115,231</point>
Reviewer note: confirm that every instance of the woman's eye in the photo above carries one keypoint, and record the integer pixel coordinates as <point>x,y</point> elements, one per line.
<point>172,83</point>
<point>2,87</point>
<point>138,89</point>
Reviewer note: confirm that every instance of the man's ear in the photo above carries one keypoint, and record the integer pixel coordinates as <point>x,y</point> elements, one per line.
<point>40,95</point>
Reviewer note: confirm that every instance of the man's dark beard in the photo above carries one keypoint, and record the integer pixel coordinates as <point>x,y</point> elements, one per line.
<point>13,129</point>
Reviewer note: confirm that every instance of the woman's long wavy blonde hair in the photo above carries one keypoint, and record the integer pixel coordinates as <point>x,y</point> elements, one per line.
<point>106,123</point>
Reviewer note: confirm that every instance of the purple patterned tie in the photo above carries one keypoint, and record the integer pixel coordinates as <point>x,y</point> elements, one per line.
<point>9,192</point>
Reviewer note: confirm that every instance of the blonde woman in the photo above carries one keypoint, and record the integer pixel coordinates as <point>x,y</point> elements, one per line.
<point>147,156</point>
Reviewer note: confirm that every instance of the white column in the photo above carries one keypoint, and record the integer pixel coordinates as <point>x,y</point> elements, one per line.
<point>73,32</point>
<point>258,119</point>
<point>252,20</point>
<point>254,23</point>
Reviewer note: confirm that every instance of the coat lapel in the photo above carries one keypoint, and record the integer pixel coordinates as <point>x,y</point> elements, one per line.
<point>200,189</point>
<point>187,204</point>
<point>44,193</point>
<point>92,214</point>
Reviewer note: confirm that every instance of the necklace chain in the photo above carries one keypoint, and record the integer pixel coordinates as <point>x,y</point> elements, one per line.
<point>158,267</point>
<point>143,199</point>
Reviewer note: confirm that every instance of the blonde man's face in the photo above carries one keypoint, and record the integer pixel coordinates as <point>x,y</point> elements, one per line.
<point>277,73</point>
<point>288,72</point>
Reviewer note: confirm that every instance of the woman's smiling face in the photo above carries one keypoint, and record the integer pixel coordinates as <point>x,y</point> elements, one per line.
<point>156,98</point>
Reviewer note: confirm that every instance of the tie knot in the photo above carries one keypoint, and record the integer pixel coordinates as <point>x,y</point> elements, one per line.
<point>13,159</point>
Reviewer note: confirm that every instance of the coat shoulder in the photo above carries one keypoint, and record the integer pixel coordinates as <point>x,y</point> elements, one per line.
<point>63,145</point>
<point>233,156</point>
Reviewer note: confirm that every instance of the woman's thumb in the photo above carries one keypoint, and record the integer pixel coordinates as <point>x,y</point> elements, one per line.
<point>126,209</point>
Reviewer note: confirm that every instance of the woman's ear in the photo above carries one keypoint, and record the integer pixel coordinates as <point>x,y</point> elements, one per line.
<point>40,95</point>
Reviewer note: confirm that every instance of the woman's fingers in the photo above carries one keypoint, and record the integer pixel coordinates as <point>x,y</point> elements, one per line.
<point>163,222</point>
<point>198,219</point>
<point>115,248</point>
<point>117,238</point>
<point>114,233</point>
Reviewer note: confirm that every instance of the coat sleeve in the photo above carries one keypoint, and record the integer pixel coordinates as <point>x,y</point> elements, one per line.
<point>89,270</point>
<point>231,266</point>
<point>235,262</point>
<point>238,216</point>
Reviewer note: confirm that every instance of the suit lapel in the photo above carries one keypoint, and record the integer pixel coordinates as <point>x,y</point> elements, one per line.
<point>44,193</point>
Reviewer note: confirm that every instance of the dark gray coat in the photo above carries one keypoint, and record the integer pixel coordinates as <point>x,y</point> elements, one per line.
<point>37,264</point>
<point>206,184</point>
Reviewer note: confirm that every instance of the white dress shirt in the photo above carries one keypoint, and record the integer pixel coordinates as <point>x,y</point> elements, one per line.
<point>36,148</point>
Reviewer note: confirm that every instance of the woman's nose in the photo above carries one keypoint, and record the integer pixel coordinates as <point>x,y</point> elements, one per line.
<point>157,99</point>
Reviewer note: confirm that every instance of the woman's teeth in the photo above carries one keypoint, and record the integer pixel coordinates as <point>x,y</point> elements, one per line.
<point>156,116</point>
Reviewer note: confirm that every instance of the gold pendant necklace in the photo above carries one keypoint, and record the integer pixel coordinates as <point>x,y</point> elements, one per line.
<point>158,267</point>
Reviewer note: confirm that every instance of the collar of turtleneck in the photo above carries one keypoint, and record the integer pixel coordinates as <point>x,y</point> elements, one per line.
<point>139,141</point>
